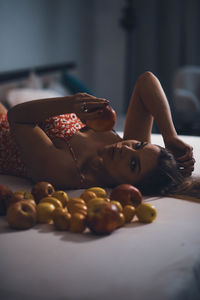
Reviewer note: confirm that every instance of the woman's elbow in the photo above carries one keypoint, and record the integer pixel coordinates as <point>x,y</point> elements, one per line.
<point>147,75</point>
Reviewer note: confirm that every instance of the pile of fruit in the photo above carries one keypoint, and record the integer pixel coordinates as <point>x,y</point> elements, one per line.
<point>93,210</point>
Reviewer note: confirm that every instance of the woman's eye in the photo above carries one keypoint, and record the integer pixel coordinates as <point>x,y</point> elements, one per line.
<point>133,165</point>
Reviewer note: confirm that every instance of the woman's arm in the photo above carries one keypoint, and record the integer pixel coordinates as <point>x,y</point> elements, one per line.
<point>34,112</point>
<point>43,160</point>
<point>148,102</point>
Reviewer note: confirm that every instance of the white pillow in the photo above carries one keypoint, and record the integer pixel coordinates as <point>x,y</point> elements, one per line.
<point>33,82</point>
<point>58,87</point>
<point>21,95</point>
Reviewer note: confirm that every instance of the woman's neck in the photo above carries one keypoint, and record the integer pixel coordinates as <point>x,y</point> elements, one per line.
<point>84,148</point>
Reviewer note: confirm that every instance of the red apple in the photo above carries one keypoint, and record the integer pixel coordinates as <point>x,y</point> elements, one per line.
<point>105,121</point>
<point>13,199</point>
<point>42,189</point>
<point>126,194</point>
<point>103,218</point>
<point>21,215</point>
<point>5,194</point>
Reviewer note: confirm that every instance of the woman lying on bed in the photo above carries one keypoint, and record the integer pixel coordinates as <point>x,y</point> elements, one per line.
<point>45,140</point>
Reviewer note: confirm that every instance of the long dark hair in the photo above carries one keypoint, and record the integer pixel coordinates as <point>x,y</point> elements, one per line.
<point>167,180</point>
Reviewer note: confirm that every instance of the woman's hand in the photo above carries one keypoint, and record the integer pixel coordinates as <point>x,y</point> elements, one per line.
<point>87,107</point>
<point>183,154</point>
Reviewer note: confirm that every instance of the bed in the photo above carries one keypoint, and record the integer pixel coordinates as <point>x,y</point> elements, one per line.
<point>160,260</point>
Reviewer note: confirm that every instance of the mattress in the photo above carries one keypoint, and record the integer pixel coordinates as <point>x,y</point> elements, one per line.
<point>160,260</point>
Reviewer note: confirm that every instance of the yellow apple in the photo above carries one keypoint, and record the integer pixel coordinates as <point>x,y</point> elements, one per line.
<point>52,200</point>
<point>146,212</point>
<point>25,194</point>
<point>122,219</point>
<point>129,212</point>
<point>87,196</point>
<point>77,205</point>
<point>44,212</point>
<point>32,201</point>
<point>95,201</point>
<point>77,223</point>
<point>21,215</point>
<point>62,196</point>
<point>118,204</point>
<point>100,192</point>
<point>61,218</point>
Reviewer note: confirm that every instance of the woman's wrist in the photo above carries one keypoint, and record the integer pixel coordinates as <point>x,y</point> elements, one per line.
<point>166,126</point>
<point>169,138</point>
<point>169,135</point>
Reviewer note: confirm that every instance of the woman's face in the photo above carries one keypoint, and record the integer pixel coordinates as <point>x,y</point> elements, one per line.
<point>129,161</point>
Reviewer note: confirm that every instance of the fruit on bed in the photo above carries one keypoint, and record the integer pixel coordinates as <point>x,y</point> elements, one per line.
<point>129,212</point>
<point>77,205</point>
<point>5,194</point>
<point>97,200</point>
<point>122,220</point>
<point>87,196</point>
<point>118,204</point>
<point>102,215</point>
<point>51,200</point>
<point>99,192</point>
<point>105,121</point>
<point>61,196</point>
<point>13,199</point>
<point>42,189</point>
<point>61,218</point>
<point>21,215</point>
<point>126,194</point>
<point>44,212</point>
<point>103,218</point>
<point>146,212</point>
<point>25,194</point>
<point>19,196</point>
<point>77,223</point>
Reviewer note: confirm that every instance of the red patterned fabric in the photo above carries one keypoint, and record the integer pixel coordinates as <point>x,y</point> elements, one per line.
<point>62,126</point>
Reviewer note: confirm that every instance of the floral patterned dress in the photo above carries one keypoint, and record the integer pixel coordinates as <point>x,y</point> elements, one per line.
<point>62,126</point>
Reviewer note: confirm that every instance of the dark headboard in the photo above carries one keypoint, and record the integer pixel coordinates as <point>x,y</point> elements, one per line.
<point>20,74</point>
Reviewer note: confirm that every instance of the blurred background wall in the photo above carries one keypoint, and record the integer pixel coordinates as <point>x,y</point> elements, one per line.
<point>164,37</point>
<point>41,32</point>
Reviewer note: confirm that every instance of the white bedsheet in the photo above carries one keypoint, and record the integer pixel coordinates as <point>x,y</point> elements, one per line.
<point>155,261</point>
